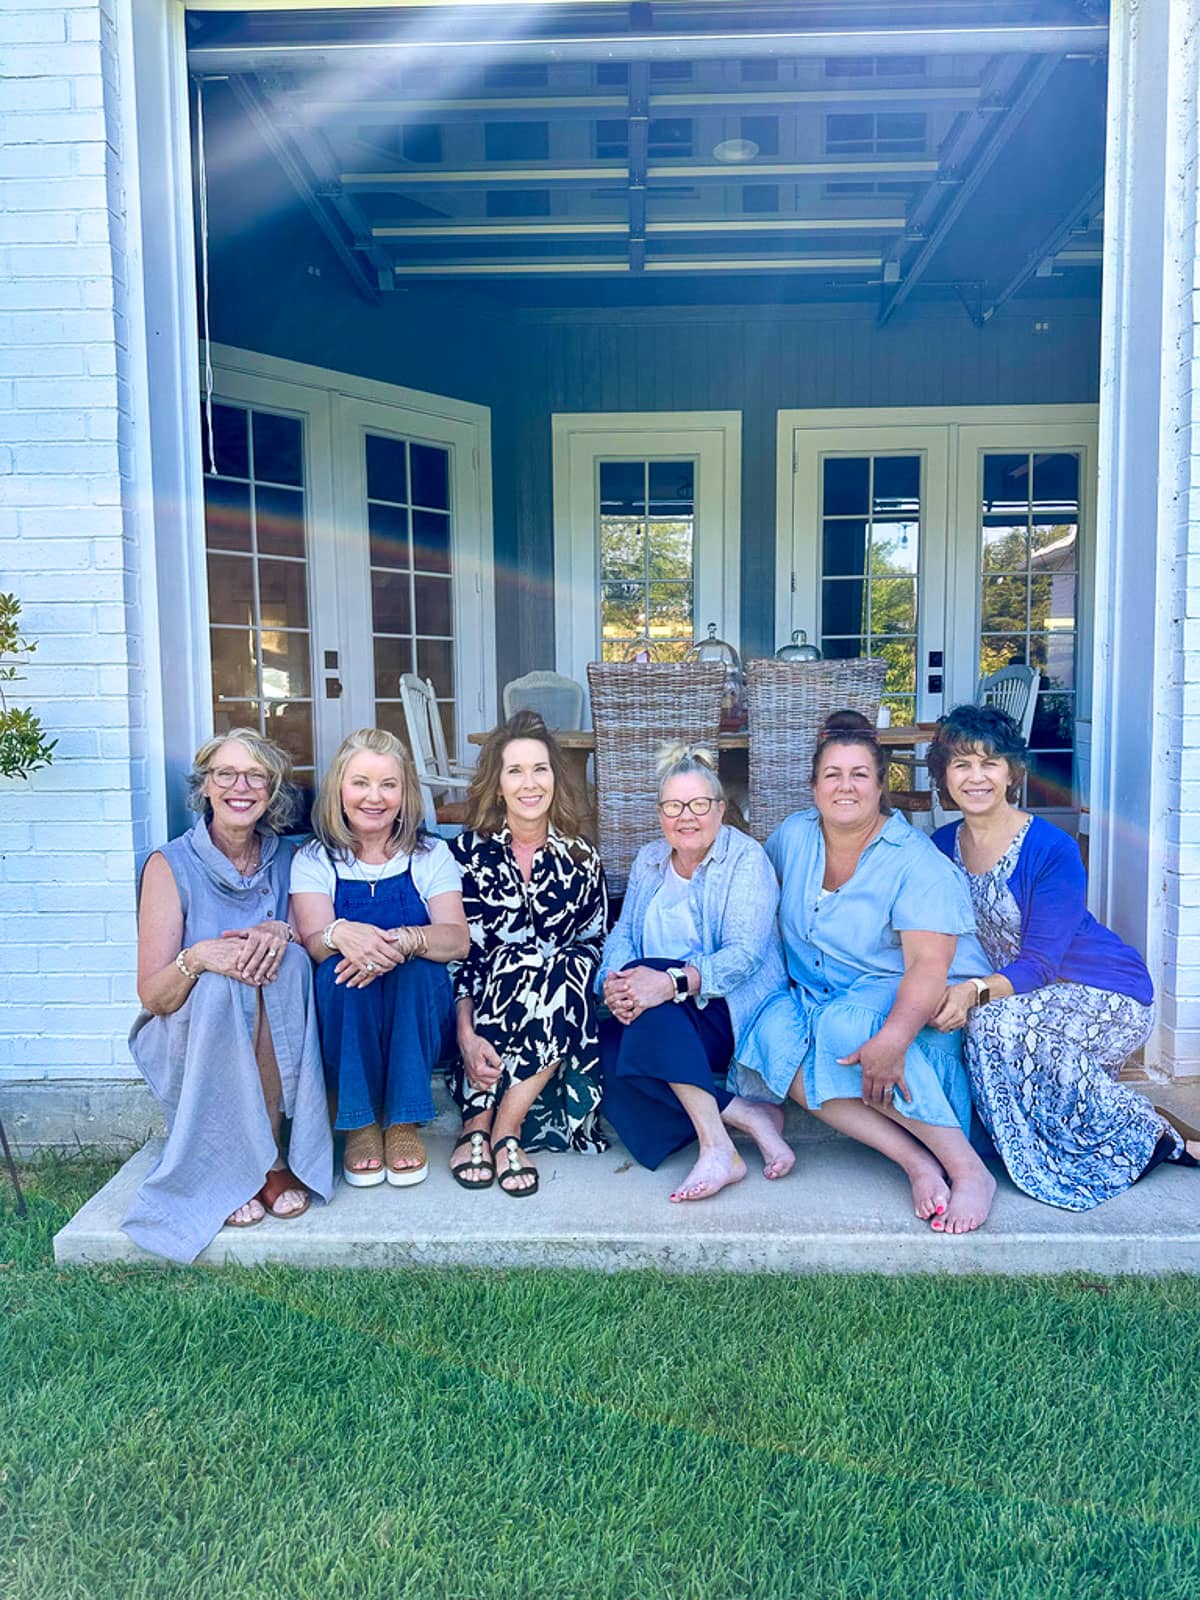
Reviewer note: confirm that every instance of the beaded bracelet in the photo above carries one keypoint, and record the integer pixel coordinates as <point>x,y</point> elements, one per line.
<point>181,963</point>
<point>327,933</point>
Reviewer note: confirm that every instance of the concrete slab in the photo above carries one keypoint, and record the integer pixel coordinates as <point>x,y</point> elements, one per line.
<point>843,1209</point>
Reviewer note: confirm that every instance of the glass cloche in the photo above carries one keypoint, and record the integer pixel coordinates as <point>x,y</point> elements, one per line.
<point>799,649</point>
<point>733,700</point>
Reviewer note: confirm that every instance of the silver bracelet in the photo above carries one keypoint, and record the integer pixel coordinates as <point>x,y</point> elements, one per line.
<point>327,933</point>
<point>181,963</point>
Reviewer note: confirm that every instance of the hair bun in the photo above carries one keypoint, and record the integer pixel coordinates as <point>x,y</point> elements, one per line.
<point>677,751</point>
<point>848,722</point>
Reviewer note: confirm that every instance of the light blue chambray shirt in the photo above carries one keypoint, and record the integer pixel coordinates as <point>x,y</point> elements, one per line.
<point>733,897</point>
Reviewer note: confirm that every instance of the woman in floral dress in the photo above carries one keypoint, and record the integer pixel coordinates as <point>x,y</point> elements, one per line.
<point>1066,1003</point>
<point>533,891</point>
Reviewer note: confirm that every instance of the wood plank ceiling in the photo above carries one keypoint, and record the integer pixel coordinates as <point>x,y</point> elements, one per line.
<point>937,147</point>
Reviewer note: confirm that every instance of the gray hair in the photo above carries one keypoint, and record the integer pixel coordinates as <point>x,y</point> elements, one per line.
<point>680,760</point>
<point>284,803</point>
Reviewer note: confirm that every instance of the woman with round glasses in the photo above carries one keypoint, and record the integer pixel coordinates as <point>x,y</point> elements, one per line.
<point>227,1039</point>
<point>693,955</point>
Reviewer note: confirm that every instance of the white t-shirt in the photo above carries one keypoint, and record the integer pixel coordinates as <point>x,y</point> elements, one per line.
<point>669,931</point>
<point>434,870</point>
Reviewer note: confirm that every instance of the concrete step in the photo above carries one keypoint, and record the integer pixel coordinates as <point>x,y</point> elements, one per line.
<point>843,1209</point>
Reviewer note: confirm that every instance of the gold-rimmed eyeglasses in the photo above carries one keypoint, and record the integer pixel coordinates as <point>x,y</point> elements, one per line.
<point>227,778</point>
<point>699,807</point>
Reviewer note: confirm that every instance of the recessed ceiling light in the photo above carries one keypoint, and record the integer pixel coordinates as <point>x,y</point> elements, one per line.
<point>735,150</point>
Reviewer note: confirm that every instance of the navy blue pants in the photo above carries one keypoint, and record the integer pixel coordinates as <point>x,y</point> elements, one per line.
<point>668,1044</point>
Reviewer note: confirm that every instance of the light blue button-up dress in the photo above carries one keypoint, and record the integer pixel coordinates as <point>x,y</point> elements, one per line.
<point>845,961</point>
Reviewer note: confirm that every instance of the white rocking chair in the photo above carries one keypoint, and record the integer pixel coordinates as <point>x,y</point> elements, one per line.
<point>440,778</point>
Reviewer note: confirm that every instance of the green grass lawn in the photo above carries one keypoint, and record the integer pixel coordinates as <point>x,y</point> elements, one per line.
<point>378,1435</point>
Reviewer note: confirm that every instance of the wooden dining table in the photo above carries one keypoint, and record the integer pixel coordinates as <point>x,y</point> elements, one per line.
<point>577,744</point>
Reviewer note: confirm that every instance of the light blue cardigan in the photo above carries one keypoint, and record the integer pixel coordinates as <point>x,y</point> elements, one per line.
<point>734,895</point>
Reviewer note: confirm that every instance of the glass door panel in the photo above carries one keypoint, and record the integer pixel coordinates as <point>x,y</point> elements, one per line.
<point>409,523</point>
<point>647,521</point>
<point>870,550</point>
<point>256,531</point>
<point>1029,579</point>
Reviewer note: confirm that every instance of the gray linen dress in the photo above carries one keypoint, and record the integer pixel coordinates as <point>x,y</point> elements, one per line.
<point>200,1062</point>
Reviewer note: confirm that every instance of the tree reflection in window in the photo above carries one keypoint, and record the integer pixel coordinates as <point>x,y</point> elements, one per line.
<point>647,542</point>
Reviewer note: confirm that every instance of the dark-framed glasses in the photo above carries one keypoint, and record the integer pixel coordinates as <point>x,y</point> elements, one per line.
<point>227,778</point>
<point>676,808</point>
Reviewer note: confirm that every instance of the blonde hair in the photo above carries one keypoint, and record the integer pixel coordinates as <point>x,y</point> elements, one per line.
<point>284,801</point>
<point>680,759</point>
<point>329,819</point>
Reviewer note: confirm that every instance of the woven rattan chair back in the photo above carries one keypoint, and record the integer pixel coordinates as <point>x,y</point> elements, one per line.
<point>787,702</point>
<point>637,706</point>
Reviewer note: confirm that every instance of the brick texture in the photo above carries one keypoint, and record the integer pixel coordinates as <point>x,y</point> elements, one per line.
<point>70,837</point>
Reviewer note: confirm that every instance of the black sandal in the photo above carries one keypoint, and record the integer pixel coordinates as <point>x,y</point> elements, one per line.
<point>476,1138</point>
<point>515,1168</point>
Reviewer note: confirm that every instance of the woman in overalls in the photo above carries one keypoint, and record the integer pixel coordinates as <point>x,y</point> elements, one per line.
<point>379,908</point>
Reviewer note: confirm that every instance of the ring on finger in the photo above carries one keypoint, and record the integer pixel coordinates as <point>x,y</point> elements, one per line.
<point>370,966</point>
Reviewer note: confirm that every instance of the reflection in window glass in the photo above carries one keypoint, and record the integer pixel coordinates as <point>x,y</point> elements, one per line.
<point>409,517</point>
<point>647,535</point>
<point>256,531</point>
<point>870,545</point>
<point>1029,556</point>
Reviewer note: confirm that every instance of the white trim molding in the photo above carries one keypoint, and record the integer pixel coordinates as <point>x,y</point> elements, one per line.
<point>714,440</point>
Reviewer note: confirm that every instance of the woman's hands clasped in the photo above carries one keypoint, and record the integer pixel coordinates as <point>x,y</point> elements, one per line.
<point>955,1007</point>
<point>627,994</point>
<point>367,953</point>
<point>257,953</point>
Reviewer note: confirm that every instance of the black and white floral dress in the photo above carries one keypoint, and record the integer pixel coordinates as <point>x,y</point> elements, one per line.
<point>1043,1068</point>
<point>535,948</point>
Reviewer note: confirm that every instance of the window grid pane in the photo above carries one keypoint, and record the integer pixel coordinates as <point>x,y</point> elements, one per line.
<point>409,511</point>
<point>1029,549</point>
<point>257,523</point>
<point>647,525</point>
<point>871,524</point>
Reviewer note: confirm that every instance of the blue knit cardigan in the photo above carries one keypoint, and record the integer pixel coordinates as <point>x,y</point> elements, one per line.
<point>1060,938</point>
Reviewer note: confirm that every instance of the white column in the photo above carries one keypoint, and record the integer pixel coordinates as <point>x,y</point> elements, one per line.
<point>1145,857</point>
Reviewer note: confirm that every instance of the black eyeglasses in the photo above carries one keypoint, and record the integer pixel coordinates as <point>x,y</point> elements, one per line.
<point>698,808</point>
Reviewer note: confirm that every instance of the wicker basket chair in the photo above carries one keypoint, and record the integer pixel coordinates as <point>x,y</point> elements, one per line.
<point>636,706</point>
<point>787,702</point>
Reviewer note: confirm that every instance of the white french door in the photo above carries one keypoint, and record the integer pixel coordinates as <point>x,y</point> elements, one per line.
<point>646,533</point>
<point>349,541</point>
<point>951,543</point>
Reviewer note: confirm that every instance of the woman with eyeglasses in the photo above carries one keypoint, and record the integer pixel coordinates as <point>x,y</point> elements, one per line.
<point>227,1038</point>
<point>694,954</point>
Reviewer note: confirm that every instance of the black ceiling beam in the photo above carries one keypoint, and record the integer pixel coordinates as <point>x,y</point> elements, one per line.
<point>1050,246</point>
<point>379,54</point>
<point>307,187</point>
<point>966,182</point>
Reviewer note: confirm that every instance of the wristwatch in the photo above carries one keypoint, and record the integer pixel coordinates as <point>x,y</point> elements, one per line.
<point>679,978</point>
<point>982,992</point>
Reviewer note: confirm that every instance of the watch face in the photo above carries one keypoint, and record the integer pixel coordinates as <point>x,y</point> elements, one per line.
<point>681,984</point>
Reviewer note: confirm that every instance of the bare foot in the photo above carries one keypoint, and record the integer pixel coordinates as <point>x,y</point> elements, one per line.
<point>713,1172</point>
<point>930,1191</point>
<point>245,1215</point>
<point>764,1124</point>
<point>970,1201</point>
<point>289,1202</point>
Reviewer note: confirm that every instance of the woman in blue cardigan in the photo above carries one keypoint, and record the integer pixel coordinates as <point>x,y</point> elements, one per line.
<point>1066,1004</point>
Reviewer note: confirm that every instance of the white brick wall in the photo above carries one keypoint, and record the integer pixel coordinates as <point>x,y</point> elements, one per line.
<point>70,837</point>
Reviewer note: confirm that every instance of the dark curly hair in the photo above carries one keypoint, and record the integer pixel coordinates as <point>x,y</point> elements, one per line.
<point>983,729</point>
<point>852,728</point>
<point>485,809</point>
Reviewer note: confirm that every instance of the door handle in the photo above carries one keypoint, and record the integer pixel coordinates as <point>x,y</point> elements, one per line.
<point>333,688</point>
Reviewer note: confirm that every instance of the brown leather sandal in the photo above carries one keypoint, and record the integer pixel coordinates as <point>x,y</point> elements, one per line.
<point>279,1182</point>
<point>402,1142</point>
<point>362,1145</point>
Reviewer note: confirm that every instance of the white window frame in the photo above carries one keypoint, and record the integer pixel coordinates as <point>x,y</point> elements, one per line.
<point>331,404</point>
<point>580,440</point>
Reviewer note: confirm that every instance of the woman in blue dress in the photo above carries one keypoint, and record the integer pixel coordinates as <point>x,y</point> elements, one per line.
<point>872,923</point>
<point>379,907</point>
<point>1059,1002</point>
<point>694,953</point>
